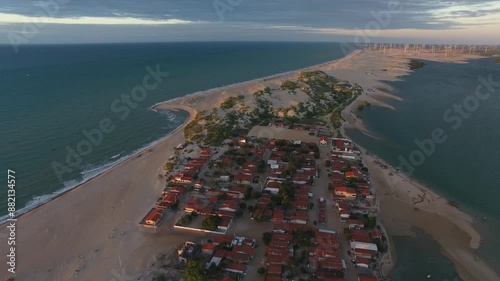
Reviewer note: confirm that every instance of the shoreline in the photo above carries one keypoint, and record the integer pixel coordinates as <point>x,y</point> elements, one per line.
<point>121,195</point>
<point>398,194</point>
<point>154,107</point>
<point>113,166</point>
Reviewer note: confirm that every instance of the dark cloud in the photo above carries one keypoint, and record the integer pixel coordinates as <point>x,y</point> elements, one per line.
<point>256,16</point>
<point>348,14</point>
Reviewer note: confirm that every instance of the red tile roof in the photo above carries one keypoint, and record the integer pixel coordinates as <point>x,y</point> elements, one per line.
<point>244,249</point>
<point>274,268</point>
<point>363,277</point>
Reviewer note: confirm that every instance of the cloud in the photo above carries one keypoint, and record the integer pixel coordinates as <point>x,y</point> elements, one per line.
<point>16,19</point>
<point>249,19</point>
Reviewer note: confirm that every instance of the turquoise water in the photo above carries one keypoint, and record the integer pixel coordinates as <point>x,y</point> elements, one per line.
<point>464,167</point>
<point>50,95</point>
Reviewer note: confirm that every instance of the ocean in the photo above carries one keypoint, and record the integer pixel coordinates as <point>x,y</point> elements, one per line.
<point>463,166</point>
<point>55,97</point>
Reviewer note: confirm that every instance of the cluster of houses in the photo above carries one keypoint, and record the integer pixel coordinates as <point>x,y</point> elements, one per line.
<point>192,167</point>
<point>238,173</point>
<point>233,252</point>
<point>212,204</point>
<point>176,188</point>
<point>323,254</point>
<point>292,163</point>
<point>354,200</point>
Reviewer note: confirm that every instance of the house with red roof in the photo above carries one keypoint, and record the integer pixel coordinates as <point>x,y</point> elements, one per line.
<point>299,217</point>
<point>208,249</point>
<point>225,223</point>
<point>230,205</point>
<point>239,268</point>
<point>270,251</point>
<point>154,217</point>
<point>223,239</point>
<point>360,235</point>
<point>282,236</point>
<point>367,193</point>
<point>205,152</point>
<point>363,277</point>
<point>237,192</point>
<point>237,257</point>
<point>362,262</point>
<point>243,249</point>
<point>273,277</point>
<point>332,264</point>
<point>274,259</point>
<point>243,179</point>
<point>278,215</point>
<point>343,191</point>
<point>274,269</point>
<point>278,243</point>
<point>351,175</point>
<point>273,187</point>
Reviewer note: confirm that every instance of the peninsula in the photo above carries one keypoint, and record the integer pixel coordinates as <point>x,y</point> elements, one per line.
<point>260,182</point>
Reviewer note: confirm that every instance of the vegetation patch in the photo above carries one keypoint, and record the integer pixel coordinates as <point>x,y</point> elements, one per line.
<point>414,64</point>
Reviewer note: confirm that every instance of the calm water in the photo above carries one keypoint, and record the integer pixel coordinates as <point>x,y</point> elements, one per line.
<point>463,168</point>
<point>50,95</point>
<point>420,256</point>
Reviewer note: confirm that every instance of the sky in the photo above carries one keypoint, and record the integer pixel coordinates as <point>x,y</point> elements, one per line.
<point>360,21</point>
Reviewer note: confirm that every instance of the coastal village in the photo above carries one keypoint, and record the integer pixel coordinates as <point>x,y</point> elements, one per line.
<point>274,195</point>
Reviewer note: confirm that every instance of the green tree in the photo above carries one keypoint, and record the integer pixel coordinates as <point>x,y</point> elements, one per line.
<point>211,222</point>
<point>261,270</point>
<point>266,238</point>
<point>194,270</point>
<point>370,222</point>
<point>261,166</point>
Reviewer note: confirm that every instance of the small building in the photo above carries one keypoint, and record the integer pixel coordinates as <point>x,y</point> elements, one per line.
<point>323,141</point>
<point>351,175</point>
<point>229,205</point>
<point>355,224</point>
<point>363,277</point>
<point>237,192</point>
<point>154,217</point>
<point>347,192</point>
<point>274,269</point>
<point>243,249</point>
<point>273,187</point>
<point>236,267</point>
<point>208,249</point>
<point>362,262</point>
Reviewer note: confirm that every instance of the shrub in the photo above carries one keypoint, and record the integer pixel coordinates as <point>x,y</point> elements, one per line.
<point>266,238</point>
<point>261,270</point>
<point>211,222</point>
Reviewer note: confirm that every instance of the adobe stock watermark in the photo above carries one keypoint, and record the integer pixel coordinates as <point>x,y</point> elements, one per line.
<point>223,6</point>
<point>121,107</point>
<point>29,30</point>
<point>381,20</point>
<point>454,116</point>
